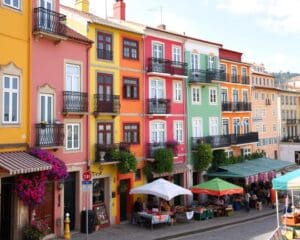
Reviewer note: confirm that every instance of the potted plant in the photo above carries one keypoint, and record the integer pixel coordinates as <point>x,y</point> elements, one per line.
<point>43,124</point>
<point>36,230</point>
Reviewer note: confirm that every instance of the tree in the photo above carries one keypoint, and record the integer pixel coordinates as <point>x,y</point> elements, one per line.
<point>203,157</point>
<point>163,160</point>
<point>219,159</point>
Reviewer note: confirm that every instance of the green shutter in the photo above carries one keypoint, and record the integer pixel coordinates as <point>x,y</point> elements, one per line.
<point>216,63</point>
<point>203,61</point>
<point>187,56</point>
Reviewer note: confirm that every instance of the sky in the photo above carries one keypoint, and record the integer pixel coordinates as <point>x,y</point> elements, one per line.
<point>265,31</point>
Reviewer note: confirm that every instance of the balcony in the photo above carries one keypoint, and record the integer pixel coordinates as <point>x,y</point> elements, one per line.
<point>241,106</point>
<point>226,106</point>
<point>291,121</point>
<point>75,102</point>
<point>106,104</point>
<point>49,23</point>
<point>158,106</point>
<point>104,152</point>
<point>250,137</point>
<point>152,147</point>
<point>245,79</point>
<point>239,79</point>
<point>217,141</point>
<point>268,101</point>
<point>49,135</point>
<point>206,76</point>
<point>295,139</point>
<point>104,54</point>
<point>160,65</point>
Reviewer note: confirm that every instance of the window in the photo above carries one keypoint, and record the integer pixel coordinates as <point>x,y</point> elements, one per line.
<point>176,54</point>
<point>246,152</point>
<point>263,112</point>
<point>236,126</point>
<point>273,97</point>
<point>195,61</point>
<point>225,126</point>
<point>138,175</point>
<point>46,108</point>
<point>244,75</point>
<point>274,127</point>
<point>263,96</point>
<point>256,96</point>
<point>157,88</point>
<point>73,136</point>
<point>73,77</point>
<point>213,96</point>
<point>286,100</point>
<point>10,99</point>
<point>130,88</point>
<point>157,50</point>
<point>233,74</point>
<point>177,91</point>
<point>131,133</point>
<point>282,100</point>
<point>196,95</point>
<point>104,46</point>
<point>210,63</point>
<point>264,128</point>
<point>257,127</point>
<point>223,67</point>
<point>197,127</point>
<point>213,126</point>
<point>157,132</point>
<point>245,96</point>
<point>295,101</point>
<point>291,100</point>
<point>224,95</point>
<point>178,131</point>
<point>12,3</point>
<point>246,125</point>
<point>130,49</point>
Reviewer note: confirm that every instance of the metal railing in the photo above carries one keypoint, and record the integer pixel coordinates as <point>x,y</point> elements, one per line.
<point>49,135</point>
<point>49,21</point>
<point>104,54</point>
<point>161,65</point>
<point>236,106</point>
<point>206,76</point>
<point>152,147</point>
<point>158,106</point>
<point>104,152</point>
<point>75,102</point>
<point>226,106</point>
<point>105,103</point>
<point>244,138</point>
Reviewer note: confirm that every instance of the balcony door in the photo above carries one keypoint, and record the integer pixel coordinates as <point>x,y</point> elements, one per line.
<point>157,54</point>
<point>72,78</point>
<point>213,126</point>
<point>224,95</point>
<point>245,96</point>
<point>157,89</point>
<point>105,133</point>
<point>45,18</point>
<point>197,128</point>
<point>236,126</point>
<point>235,98</point>
<point>158,132</point>
<point>105,92</point>
<point>46,108</point>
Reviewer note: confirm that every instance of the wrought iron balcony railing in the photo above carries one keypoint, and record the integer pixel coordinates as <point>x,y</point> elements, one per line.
<point>75,102</point>
<point>244,138</point>
<point>291,139</point>
<point>291,121</point>
<point>105,152</point>
<point>105,103</point>
<point>158,106</point>
<point>206,76</point>
<point>161,65</point>
<point>49,21</point>
<point>104,54</point>
<point>152,147</point>
<point>241,106</point>
<point>245,79</point>
<point>49,135</point>
<point>226,106</point>
<point>216,141</point>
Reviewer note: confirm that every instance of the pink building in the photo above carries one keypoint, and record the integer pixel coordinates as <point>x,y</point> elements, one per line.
<point>59,108</point>
<point>165,120</point>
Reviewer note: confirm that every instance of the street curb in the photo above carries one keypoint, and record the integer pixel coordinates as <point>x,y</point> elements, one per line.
<point>181,234</point>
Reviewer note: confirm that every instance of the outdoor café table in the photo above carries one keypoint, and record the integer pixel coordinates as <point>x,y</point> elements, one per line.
<point>155,218</point>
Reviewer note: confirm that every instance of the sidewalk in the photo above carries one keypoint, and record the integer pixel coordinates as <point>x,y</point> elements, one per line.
<point>127,231</point>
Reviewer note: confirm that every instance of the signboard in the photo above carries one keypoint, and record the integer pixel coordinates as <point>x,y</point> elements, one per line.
<point>102,218</point>
<point>87,175</point>
<point>86,186</point>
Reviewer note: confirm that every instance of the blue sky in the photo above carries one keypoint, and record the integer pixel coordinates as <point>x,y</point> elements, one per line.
<point>266,31</point>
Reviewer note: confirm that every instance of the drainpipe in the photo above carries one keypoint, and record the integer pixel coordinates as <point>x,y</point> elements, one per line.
<point>88,95</point>
<point>144,100</point>
<point>29,75</point>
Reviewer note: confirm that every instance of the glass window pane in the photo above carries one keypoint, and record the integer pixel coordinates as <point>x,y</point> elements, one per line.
<point>14,107</point>
<point>6,82</point>
<point>15,83</point>
<point>6,106</point>
<point>7,1</point>
<point>43,117</point>
<point>49,103</point>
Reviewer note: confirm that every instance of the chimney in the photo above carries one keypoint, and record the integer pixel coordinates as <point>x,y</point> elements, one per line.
<point>82,5</point>
<point>162,26</point>
<point>119,10</point>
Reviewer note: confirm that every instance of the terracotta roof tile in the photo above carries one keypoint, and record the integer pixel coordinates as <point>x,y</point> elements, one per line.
<point>72,34</point>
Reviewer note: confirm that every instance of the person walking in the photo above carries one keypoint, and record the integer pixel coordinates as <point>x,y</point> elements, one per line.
<point>247,200</point>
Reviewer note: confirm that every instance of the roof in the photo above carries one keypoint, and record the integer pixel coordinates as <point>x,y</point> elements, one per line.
<point>250,168</point>
<point>72,34</point>
<point>177,168</point>
<point>22,162</point>
<point>96,19</point>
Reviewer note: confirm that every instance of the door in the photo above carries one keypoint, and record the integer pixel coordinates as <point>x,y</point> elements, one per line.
<point>105,133</point>
<point>6,208</point>
<point>45,211</point>
<point>158,55</point>
<point>73,78</point>
<point>225,126</point>
<point>105,92</point>
<point>104,42</point>
<point>177,180</point>
<point>213,126</point>
<point>69,198</point>
<point>197,132</point>
<point>124,200</point>
<point>236,126</point>
<point>46,134</point>
<point>245,96</point>
<point>235,95</point>
<point>157,89</point>
<point>224,95</point>
<point>46,18</point>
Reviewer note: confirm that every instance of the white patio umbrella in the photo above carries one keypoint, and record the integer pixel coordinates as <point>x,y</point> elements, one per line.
<point>161,188</point>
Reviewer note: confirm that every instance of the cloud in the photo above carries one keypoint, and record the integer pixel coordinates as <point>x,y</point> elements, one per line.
<point>274,15</point>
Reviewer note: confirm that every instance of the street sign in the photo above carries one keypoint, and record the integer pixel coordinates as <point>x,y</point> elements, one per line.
<point>86,186</point>
<point>87,175</point>
<point>86,182</point>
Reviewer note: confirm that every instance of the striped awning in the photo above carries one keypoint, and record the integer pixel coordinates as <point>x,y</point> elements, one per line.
<point>21,162</point>
<point>177,168</point>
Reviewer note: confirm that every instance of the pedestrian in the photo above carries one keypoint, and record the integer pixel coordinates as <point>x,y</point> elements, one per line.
<point>247,200</point>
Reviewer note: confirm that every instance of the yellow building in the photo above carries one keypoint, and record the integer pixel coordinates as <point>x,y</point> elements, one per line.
<point>106,87</point>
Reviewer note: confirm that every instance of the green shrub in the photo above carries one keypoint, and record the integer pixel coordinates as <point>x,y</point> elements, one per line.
<point>127,162</point>
<point>163,160</point>
<point>203,157</point>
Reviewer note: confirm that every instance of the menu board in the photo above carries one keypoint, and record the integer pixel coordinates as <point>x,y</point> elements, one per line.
<point>102,218</point>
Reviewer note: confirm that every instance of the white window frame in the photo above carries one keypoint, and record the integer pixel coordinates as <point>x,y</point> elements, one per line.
<point>177,91</point>
<point>10,4</point>
<point>195,61</point>
<point>11,91</point>
<point>246,152</point>
<point>73,125</point>
<point>163,130</point>
<point>215,98</point>
<point>213,126</point>
<point>52,106</point>
<point>176,54</point>
<point>210,62</point>
<point>198,119</point>
<point>264,128</point>
<point>274,127</point>
<point>163,87</point>
<point>196,98</point>
<point>244,124</point>
<point>228,130</point>
<point>153,50</point>
<point>72,77</point>
<point>178,131</point>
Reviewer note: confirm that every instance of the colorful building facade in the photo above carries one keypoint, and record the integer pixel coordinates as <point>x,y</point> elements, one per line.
<point>264,99</point>
<point>59,114</point>
<point>236,105</point>
<point>116,100</point>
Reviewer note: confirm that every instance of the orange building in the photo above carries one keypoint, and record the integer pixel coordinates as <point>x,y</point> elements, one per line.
<point>236,105</point>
